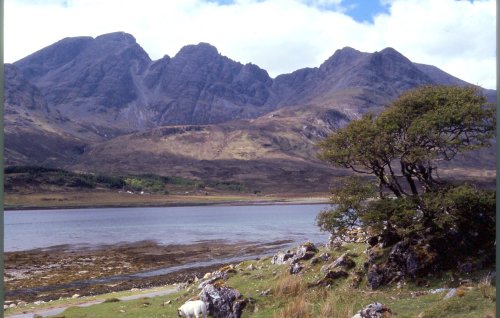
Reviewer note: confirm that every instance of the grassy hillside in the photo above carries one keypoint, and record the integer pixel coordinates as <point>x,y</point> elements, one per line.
<point>271,291</point>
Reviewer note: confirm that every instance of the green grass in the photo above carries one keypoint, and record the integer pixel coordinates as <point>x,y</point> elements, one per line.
<point>291,297</point>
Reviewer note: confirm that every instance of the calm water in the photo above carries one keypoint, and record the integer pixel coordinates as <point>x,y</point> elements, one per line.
<point>30,229</point>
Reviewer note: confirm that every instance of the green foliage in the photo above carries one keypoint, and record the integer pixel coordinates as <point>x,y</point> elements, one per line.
<point>146,184</point>
<point>465,215</point>
<point>228,186</point>
<point>29,169</point>
<point>417,130</point>
<point>112,182</point>
<point>400,215</point>
<point>350,202</point>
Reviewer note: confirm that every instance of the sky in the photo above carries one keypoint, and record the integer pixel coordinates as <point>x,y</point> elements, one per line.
<point>279,36</point>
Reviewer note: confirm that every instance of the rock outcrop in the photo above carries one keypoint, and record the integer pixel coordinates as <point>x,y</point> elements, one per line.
<point>223,301</point>
<point>304,251</point>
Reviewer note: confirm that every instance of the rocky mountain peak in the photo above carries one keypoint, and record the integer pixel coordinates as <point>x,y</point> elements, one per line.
<point>53,56</point>
<point>344,56</point>
<point>200,50</point>
<point>118,37</point>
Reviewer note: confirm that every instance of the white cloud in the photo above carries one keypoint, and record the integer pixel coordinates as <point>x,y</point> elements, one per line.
<point>278,35</point>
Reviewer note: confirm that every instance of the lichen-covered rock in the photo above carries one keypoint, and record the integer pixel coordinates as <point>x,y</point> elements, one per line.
<point>222,301</point>
<point>282,258</point>
<point>408,259</point>
<point>374,310</point>
<point>213,277</point>
<point>295,268</point>
<point>305,251</point>
<point>343,261</point>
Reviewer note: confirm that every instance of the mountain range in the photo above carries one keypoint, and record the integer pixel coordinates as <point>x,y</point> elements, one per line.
<point>102,105</point>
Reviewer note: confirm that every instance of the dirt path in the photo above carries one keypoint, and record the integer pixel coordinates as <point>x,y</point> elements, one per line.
<point>45,312</point>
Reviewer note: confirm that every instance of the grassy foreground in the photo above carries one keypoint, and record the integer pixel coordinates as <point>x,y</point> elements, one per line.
<point>289,295</point>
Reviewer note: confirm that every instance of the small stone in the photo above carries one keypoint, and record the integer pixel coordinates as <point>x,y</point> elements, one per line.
<point>207,276</point>
<point>296,268</point>
<point>75,296</point>
<point>265,292</point>
<point>451,293</point>
<point>250,267</point>
<point>374,310</point>
<point>168,302</point>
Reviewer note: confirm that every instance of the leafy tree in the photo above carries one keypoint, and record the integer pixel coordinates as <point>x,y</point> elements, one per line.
<point>402,148</point>
<point>403,145</point>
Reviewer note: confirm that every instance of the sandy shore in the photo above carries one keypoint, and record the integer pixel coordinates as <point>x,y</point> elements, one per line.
<point>63,271</point>
<point>71,200</point>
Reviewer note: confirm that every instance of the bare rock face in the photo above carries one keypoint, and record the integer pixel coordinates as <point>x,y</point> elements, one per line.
<point>222,301</point>
<point>20,93</point>
<point>112,78</point>
<point>203,87</point>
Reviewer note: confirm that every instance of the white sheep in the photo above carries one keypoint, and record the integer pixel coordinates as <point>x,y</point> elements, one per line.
<point>192,309</point>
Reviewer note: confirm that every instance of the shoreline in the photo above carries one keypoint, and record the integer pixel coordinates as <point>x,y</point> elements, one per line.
<point>61,272</point>
<point>298,201</point>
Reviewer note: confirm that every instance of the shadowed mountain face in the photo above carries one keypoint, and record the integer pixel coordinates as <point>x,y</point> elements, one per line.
<point>102,104</point>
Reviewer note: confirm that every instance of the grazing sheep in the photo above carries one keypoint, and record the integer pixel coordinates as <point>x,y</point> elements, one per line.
<point>192,309</point>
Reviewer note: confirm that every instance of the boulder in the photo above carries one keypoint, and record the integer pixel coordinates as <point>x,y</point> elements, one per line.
<point>374,310</point>
<point>305,251</point>
<point>282,258</point>
<point>343,261</point>
<point>214,276</point>
<point>222,301</point>
<point>375,277</point>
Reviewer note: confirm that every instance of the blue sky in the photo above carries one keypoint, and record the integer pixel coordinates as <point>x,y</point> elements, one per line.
<point>280,36</point>
<point>364,10</point>
<point>359,10</point>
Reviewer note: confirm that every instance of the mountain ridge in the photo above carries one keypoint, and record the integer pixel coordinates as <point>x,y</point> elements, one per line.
<point>106,99</point>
